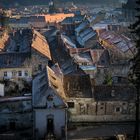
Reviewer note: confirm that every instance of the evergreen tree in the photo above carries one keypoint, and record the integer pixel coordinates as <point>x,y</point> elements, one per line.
<point>135,75</point>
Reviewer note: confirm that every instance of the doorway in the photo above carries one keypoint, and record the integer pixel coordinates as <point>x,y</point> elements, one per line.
<point>50,125</point>
<point>12,125</point>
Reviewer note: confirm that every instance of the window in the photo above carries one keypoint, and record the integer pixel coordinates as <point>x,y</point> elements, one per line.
<point>118,109</point>
<point>53,77</point>
<point>101,107</point>
<point>102,61</point>
<point>19,73</point>
<point>84,64</point>
<point>56,87</point>
<point>82,108</point>
<point>70,104</point>
<point>102,103</point>
<point>13,73</point>
<point>5,74</point>
<point>76,86</point>
<point>124,103</point>
<point>26,73</point>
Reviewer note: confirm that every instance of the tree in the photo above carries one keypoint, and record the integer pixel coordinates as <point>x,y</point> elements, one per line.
<point>108,79</point>
<point>135,75</point>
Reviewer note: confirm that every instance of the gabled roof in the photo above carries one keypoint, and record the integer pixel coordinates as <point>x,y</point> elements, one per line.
<point>22,20</point>
<point>120,41</point>
<point>43,95</point>
<point>71,20</point>
<point>58,102</point>
<point>40,44</point>
<point>83,57</point>
<point>37,19</point>
<point>19,41</point>
<point>85,35</point>
<point>26,20</point>
<point>100,56</point>
<point>82,26</point>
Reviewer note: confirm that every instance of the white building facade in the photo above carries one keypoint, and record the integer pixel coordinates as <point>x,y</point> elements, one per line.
<point>49,111</point>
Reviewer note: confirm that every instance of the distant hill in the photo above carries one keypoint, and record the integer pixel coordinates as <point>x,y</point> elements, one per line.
<point>44,2</point>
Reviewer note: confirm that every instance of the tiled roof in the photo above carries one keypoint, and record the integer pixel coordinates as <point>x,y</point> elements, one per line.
<point>58,17</point>
<point>41,91</point>
<point>114,93</point>
<point>40,44</point>
<point>13,60</point>
<point>37,19</point>
<point>26,20</point>
<point>71,20</point>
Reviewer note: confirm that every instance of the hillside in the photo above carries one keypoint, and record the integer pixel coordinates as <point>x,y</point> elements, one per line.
<point>44,2</point>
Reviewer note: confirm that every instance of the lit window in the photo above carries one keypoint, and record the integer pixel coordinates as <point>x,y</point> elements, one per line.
<point>19,73</point>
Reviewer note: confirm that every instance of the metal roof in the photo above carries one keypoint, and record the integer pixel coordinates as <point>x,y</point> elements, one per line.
<point>68,41</point>
<point>119,41</point>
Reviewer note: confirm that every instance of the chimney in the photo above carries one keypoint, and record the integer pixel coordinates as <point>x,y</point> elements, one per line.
<point>58,38</point>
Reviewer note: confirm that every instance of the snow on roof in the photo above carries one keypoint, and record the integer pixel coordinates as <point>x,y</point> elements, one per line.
<point>90,35</point>
<point>81,59</point>
<point>99,26</point>
<point>67,40</point>
<point>86,35</point>
<point>81,26</point>
<point>88,67</point>
<point>85,32</point>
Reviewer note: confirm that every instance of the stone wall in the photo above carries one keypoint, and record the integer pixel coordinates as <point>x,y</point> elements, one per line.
<point>89,110</point>
<point>77,85</point>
